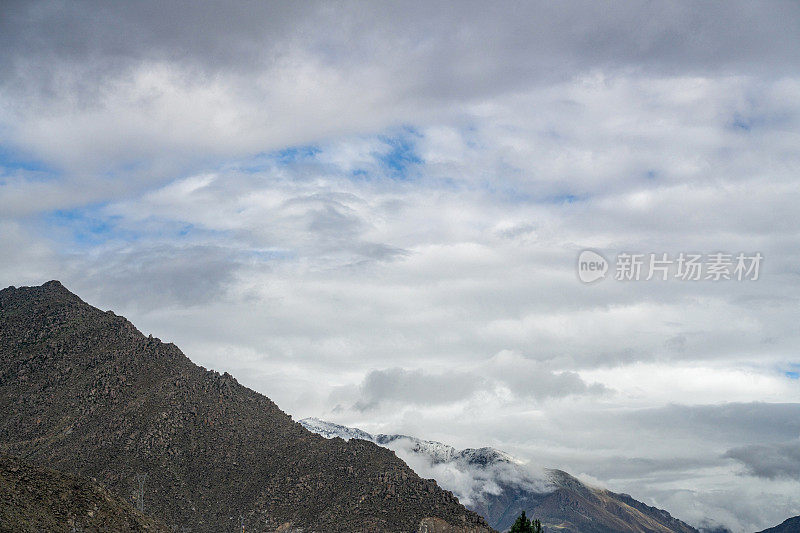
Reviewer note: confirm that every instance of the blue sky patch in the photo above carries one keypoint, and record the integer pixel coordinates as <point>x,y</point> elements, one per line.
<point>12,160</point>
<point>288,156</point>
<point>562,199</point>
<point>87,226</point>
<point>296,153</point>
<point>741,123</point>
<point>401,156</point>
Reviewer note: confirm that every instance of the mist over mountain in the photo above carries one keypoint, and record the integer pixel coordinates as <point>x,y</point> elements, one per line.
<point>499,487</point>
<point>84,392</point>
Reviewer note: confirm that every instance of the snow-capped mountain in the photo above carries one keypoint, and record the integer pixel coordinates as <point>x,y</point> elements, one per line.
<point>330,431</point>
<point>499,486</point>
<point>435,451</point>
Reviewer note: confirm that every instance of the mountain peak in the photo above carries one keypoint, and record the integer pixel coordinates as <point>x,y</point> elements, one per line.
<point>52,286</point>
<point>84,392</point>
<point>52,290</point>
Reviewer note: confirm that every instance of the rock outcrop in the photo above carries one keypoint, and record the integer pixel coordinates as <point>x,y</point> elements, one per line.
<point>35,499</point>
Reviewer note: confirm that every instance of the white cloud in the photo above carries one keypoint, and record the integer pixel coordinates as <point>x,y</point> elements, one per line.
<point>247,209</point>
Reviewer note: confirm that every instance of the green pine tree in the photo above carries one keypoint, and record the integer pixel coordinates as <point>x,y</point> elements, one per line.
<point>521,525</point>
<point>524,525</point>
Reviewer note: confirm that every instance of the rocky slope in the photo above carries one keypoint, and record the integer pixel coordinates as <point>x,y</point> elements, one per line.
<point>499,487</point>
<point>34,499</point>
<point>83,391</point>
<point>790,525</point>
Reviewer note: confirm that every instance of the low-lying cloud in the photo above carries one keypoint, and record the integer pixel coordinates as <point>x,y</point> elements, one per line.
<point>770,460</point>
<point>414,386</point>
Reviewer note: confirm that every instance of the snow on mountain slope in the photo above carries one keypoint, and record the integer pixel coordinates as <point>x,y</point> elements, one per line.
<point>330,430</point>
<point>471,474</point>
<point>436,451</point>
<point>498,486</point>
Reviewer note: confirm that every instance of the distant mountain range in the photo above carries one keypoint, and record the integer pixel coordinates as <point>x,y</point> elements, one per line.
<point>499,487</point>
<point>83,392</point>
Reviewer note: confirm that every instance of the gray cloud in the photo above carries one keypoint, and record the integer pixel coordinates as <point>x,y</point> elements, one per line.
<point>245,33</point>
<point>398,385</point>
<point>242,77</point>
<point>769,460</point>
<point>728,422</point>
<point>154,276</point>
<point>528,378</point>
<point>555,385</point>
<point>414,386</point>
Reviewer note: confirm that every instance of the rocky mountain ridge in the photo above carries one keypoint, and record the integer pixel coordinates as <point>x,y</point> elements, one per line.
<point>84,392</point>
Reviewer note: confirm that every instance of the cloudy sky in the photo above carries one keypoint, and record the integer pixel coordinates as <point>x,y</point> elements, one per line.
<point>372,214</point>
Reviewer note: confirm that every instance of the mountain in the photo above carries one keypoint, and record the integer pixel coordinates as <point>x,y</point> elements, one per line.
<point>34,499</point>
<point>82,391</point>
<point>790,525</point>
<point>499,487</point>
